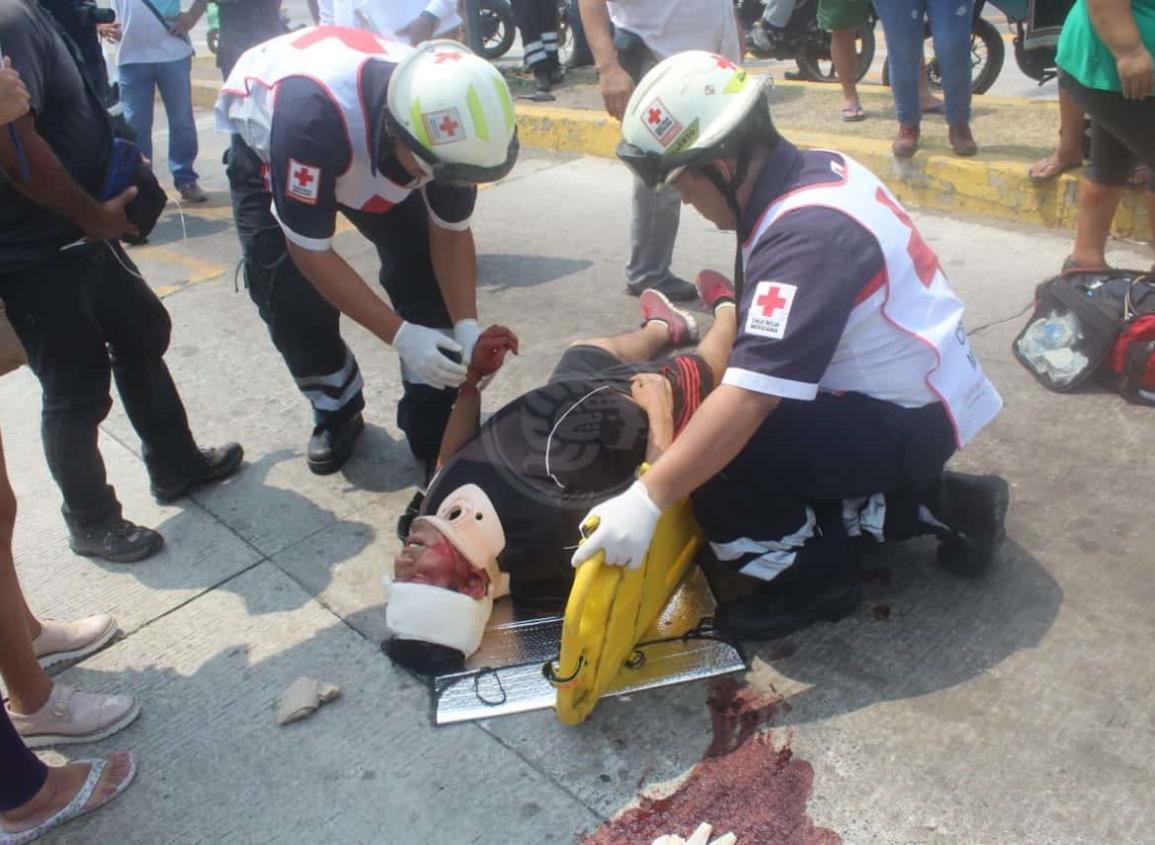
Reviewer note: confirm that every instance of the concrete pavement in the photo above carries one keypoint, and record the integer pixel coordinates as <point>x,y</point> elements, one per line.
<point>1012,709</point>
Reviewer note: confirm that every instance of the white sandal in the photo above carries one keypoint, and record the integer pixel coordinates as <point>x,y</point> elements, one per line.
<point>75,808</point>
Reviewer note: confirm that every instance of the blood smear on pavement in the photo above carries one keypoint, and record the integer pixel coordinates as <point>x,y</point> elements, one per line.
<point>742,785</point>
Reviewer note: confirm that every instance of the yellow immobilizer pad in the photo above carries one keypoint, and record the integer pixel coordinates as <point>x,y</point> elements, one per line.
<point>612,609</point>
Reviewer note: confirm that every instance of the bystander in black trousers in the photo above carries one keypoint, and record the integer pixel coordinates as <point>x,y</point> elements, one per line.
<point>22,774</point>
<point>305,328</point>
<point>537,20</point>
<point>84,318</point>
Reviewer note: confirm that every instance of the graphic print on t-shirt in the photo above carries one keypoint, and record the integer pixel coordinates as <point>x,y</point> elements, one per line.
<point>770,310</point>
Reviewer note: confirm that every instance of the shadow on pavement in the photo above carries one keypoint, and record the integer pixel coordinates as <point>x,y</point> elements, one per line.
<point>244,503</point>
<point>920,630</point>
<point>502,271</point>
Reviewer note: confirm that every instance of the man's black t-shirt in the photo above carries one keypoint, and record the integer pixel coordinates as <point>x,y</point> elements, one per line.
<point>67,116</point>
<point>245,24</point>
<point>544,460</point>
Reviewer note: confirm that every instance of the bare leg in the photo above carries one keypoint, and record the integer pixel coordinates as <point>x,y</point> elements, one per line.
<point>926,100</point>
<point>842,52</point>
<point>1149,201</point>
<point>1097,204</point>
<point>642,344</point>
<point>1070,151</point>
<point>715,347</point>
<point>28,685</point>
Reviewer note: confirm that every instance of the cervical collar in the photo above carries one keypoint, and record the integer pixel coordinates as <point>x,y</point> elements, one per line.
<point>439,616</point>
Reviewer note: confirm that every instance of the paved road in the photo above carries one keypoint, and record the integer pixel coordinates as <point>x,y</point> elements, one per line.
<point>1013,709</point>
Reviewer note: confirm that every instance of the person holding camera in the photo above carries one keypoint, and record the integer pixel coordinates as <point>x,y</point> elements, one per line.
<point>80,20</point>
<point>153,58</point>
<point>75,299</point>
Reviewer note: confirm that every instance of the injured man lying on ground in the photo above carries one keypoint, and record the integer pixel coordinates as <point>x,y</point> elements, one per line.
<point>502,515</point>
<point>504,512</point>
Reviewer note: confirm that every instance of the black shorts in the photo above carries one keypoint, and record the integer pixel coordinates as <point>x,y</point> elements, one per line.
<point>1122,133</point>
<point>689,375</point>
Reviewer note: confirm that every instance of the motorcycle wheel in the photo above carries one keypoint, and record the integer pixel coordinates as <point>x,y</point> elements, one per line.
<point>987,55</point>
<point>986,41</point>
<point>495,17</point>
<point>817,67</point>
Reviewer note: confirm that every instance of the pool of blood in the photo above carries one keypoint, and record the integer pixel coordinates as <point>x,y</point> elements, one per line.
<point>743,784</point>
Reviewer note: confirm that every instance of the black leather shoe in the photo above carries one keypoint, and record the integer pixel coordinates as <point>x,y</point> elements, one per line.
<point>541,79</point>
<point>675,289</point>
<point>974,510</point>
<point>215,463</point>
<point>771,614</point>
<point>119,541</point>
<point>332,444</point>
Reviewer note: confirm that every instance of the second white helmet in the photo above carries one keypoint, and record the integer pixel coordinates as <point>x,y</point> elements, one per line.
<point>684,111</point>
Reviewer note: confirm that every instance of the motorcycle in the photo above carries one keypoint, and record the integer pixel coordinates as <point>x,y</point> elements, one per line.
<point>802,41</point>
<point>1035,25</point>
<point>499,28</point>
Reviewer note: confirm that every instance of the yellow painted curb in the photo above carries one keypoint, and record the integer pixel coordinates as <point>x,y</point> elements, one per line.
<point>982,187</point>
<point>976,186</point>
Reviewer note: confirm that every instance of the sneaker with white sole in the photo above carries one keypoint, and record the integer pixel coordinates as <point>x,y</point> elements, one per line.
<point>714,289</point>
<point>61,642</point>
<point>681,325</point>
<point>70,717</point>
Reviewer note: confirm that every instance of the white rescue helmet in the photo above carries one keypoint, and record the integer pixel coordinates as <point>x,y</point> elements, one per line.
<point>453,110</point>
<point>685,112</point>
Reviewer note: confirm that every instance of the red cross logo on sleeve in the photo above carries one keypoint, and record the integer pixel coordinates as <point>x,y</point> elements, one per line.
<point>771,301</point>
<point>303,177</point>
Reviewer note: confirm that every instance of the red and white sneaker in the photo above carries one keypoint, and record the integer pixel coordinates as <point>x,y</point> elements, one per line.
<point>713,287</point>
<point>681,325</point>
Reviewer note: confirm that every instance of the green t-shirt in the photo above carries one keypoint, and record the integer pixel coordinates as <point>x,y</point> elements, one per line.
<point>1084,56</point>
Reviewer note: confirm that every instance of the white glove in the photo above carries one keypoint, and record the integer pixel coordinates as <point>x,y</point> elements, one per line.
<point>701,836</point>
<point>466,333</point>
<point>625,527</point>
<point>420,348</point>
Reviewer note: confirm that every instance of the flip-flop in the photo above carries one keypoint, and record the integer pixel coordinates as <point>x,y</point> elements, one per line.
<point>853,115</point>
<point>1048,168</point>
<point>937,108</point>
<point>1139,176</point>
<point>75,808</point>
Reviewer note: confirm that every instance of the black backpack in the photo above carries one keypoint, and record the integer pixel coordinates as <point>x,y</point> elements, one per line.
<point>1088,321</point>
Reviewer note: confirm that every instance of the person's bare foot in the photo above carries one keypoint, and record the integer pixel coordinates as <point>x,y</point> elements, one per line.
<point>930,104</point>
<point>1050,166</point>
<point>62,785</point>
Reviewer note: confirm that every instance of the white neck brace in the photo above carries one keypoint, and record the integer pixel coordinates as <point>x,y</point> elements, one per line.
<point>436,615</point>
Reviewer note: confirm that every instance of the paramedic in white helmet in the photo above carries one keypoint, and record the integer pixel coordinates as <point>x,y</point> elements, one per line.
<point>330,121</point>
<point>851,381</point>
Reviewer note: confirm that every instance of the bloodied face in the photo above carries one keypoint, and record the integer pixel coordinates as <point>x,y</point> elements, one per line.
<point>429,558</point>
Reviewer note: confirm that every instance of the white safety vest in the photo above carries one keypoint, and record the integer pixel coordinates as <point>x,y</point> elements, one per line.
<point>904,341</point>
<point>332,57</point>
